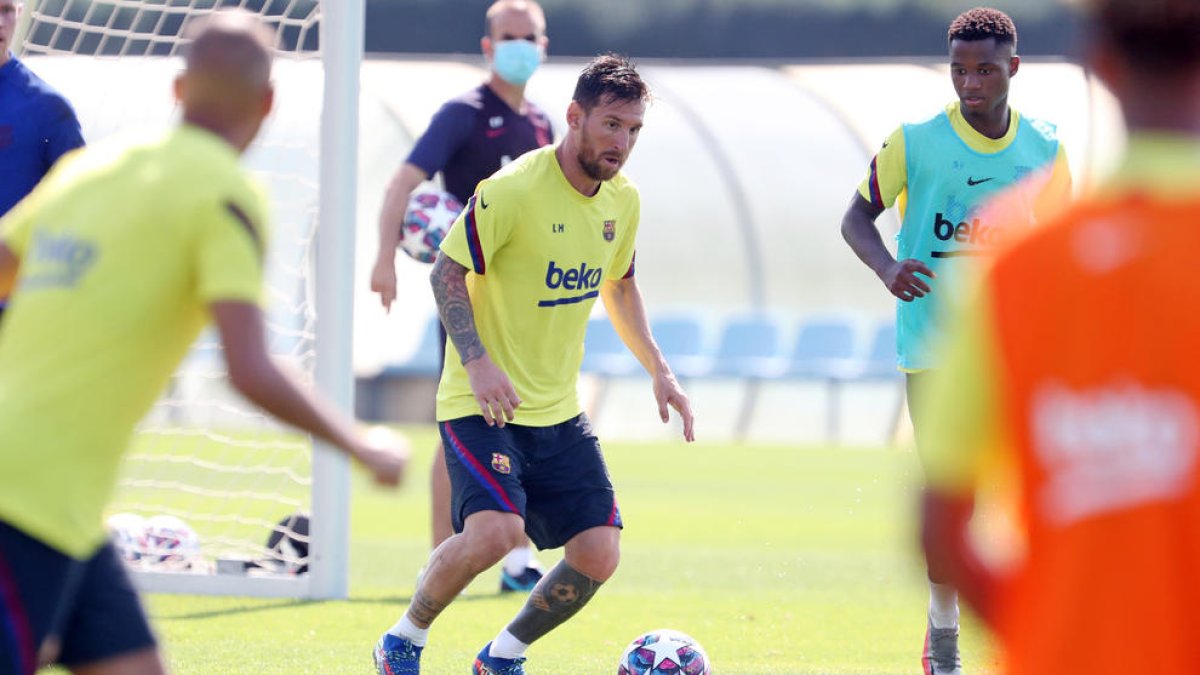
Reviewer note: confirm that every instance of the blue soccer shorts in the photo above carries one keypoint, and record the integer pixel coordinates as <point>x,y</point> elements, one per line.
<point>89,606</point>
<point>554,477</point>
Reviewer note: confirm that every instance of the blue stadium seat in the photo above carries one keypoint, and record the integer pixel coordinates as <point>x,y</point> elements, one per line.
<point>751,347</point>
<point>425,359</point>
<point>681,339</point>
<point>880,361</point>
<point>603,351</point>
<point>824,349</point>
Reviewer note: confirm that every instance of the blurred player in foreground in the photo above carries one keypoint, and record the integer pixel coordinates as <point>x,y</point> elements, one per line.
<point>119,258</point>
<point>515,281</point>
<point>1073,373</point>
<point>940,173</point>
<point>469,139</point>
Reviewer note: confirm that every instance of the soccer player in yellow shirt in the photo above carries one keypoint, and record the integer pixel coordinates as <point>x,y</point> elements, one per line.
<point>517,277</point>
<point>119,258</point>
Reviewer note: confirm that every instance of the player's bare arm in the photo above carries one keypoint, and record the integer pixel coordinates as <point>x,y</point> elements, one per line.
<point>493,390</point>
<point>256,375</point>
<point>623,300</point>
<point>391,215</point>
<point>899,276</point>
<point>9,265</point>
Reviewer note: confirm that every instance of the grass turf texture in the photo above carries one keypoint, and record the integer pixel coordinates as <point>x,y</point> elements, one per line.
<point>777,559</point>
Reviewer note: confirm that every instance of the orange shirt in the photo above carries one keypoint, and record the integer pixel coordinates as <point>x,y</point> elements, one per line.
<point>1076,367</point>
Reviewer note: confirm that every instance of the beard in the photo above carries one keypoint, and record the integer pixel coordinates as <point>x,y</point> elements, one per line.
<point>589,161</point>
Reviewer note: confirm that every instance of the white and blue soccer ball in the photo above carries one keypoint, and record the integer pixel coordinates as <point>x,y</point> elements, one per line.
<point>429,215</point>
<point>128,534</point>
<point>664,652</point>
<point>170,543</point>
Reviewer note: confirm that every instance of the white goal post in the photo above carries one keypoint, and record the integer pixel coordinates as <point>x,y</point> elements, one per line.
<point>203,454</point>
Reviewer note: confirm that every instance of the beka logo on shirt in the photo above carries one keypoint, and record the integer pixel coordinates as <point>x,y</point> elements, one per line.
<point>58,260</point>
<point>574,279</point>
<point>974,232</point>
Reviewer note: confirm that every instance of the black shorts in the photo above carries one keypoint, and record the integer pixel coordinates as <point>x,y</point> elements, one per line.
<point>90,605</point>
<point>554,477</point>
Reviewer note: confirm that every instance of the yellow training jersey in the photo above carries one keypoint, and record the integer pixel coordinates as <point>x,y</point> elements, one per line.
<point>537,251</point>
<point>122,248</point>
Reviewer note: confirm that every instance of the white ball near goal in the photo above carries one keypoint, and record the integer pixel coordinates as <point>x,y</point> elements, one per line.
<point>128,534</point>
<point>170,543</point>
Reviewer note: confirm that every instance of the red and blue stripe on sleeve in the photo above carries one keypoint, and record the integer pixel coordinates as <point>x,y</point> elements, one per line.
<point>473,244</point>
<point>873,182</point>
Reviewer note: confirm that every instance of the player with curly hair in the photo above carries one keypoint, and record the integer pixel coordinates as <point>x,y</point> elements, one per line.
<point>940,173</point>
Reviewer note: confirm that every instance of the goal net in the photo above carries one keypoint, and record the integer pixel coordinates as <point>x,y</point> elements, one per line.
<point>205,456</point>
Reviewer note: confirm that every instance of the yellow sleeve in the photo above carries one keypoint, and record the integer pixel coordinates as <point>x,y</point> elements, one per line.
<point>964,425</point>
<point>232,250</point>
<point>623,261</point>
<point>1056,193</point>
<point>482,228</point>
<point>17,224</point>
<point>887,176</point>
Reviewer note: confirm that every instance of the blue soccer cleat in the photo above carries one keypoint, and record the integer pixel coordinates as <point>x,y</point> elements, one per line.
<point>493,665</point>
<point>397,656</point>
<point>522,583</point>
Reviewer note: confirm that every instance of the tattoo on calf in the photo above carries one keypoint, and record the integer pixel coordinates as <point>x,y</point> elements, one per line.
<point>424,608</point>
<point>449,280</point>
<point>556,598</point>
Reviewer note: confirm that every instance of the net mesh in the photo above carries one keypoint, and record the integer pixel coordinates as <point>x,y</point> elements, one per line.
<point>203,454</point>
<point>151,27</point>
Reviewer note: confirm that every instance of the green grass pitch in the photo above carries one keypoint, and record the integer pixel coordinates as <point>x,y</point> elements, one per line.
<point>777,559</point>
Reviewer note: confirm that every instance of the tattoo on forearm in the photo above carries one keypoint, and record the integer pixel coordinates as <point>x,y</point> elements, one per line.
<point>424,608</point>
<point>556,598</point>
<point>449,280</point>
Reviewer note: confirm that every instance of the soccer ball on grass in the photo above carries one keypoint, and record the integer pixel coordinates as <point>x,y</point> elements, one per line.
<point>170,544</point>
<point>664,652</point>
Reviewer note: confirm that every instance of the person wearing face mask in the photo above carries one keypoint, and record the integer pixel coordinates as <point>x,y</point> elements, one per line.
<point>469,138</point>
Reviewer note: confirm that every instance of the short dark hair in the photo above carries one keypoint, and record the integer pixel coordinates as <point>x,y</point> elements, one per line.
<point>982,23</point>
<point>609,77</point>
<point>493,10</point>
<point>1154,35</point>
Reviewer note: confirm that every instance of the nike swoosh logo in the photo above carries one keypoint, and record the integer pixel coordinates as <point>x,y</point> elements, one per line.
<point>972,182</point>
<point>885,144</point>
<point>481,202</point>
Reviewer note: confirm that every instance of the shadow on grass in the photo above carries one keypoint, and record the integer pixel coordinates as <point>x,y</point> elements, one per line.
<point>269,606</point>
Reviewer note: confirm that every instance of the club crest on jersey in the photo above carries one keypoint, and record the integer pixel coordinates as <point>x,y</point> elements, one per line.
<point>610,230</point>
<point>501,463</point>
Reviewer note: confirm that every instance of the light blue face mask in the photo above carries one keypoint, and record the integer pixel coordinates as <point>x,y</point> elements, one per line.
<point>515,60</point>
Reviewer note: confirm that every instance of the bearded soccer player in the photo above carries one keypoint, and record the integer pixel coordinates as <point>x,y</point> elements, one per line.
<point>119,258</point>
<point>469,139</point>
<point>516,279</point>
<point>940,173</point>
<point>1073,374</point>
